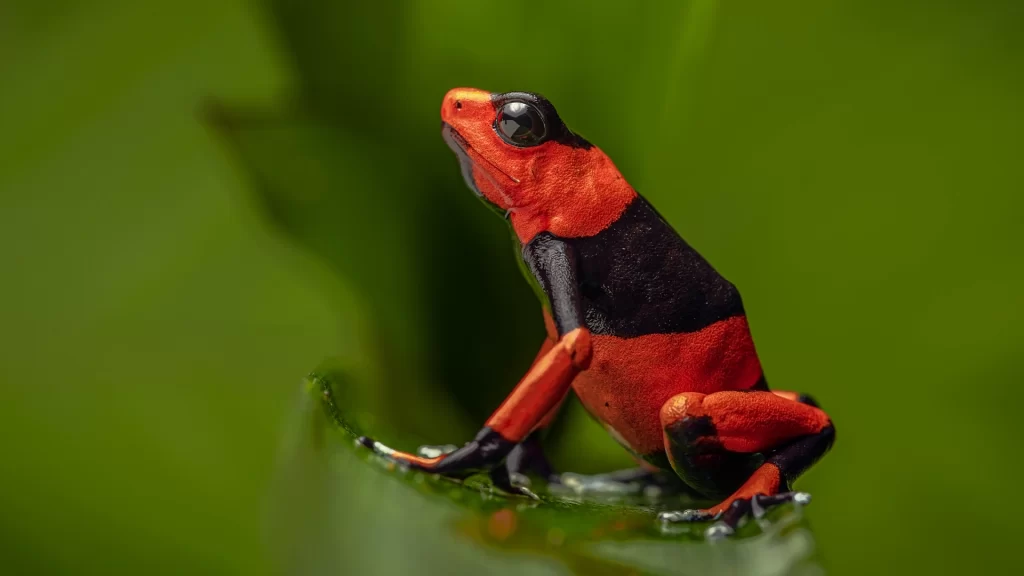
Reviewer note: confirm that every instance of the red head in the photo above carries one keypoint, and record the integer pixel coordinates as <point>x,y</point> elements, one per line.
<point>518,155</point>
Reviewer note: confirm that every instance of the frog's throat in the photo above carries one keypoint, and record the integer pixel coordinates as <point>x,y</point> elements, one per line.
<point>453,137</point>
<point>469,158</point>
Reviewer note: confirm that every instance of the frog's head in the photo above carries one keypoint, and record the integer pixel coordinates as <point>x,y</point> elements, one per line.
<point>518,155</point>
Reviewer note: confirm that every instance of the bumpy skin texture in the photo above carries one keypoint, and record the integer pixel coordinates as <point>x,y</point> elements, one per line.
<point>650,337</point>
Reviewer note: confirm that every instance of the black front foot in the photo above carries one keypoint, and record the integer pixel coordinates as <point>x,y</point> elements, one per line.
<point>528,459</point>
<point>503,477</point>
<point>727,522</point>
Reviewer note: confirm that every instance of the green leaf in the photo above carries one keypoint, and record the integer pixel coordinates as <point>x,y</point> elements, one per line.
<point>337,499</point>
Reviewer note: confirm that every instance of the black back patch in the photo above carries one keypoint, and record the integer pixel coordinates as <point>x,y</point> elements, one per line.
<point>638,276</point>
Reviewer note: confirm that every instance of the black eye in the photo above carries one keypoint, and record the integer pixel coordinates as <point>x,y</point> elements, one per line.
<point>520,124</point>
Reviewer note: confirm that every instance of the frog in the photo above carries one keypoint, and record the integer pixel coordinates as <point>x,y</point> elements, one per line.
<point>653,341</point>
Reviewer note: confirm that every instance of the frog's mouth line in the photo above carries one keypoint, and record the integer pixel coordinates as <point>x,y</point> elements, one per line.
<point>467,154</point>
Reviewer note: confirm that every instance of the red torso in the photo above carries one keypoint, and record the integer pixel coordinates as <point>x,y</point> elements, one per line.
<point>629,379</point>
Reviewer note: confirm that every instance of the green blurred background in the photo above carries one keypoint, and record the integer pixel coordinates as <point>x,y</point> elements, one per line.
<point>199,201</point>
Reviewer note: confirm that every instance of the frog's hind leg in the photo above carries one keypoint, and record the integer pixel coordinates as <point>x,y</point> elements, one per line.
<point>750,445</point>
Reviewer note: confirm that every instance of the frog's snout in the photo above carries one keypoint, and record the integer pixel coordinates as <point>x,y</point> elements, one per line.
<point>464,101</point>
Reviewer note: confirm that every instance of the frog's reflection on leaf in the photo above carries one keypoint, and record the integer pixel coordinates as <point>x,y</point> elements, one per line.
<point>784,546</point>
<point>585,532</point>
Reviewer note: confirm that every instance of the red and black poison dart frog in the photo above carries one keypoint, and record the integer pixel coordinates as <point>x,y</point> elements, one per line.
<point>653,341</point>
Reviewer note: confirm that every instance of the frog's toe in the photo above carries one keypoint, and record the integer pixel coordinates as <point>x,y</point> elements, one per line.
<point>755,507</point>
<point>760,504</point>
<point>391,455</point>
<point>376,447</point>
<point>435,450</point>
<point>685,516</point>
<point>366,442</point>
<point>512,483</point>
<point>633,481</point>
<point>597,484</point>
<point>718,531</point>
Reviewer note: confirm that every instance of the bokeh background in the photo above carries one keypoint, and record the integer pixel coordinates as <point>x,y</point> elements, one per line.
<point>199,201</point>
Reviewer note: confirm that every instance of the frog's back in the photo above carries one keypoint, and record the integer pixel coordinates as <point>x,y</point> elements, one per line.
<point>639,277</point>
<point>663,321</point>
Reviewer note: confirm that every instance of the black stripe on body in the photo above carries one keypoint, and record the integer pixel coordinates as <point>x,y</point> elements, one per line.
<point>638,276</point>
<point>553,263</point>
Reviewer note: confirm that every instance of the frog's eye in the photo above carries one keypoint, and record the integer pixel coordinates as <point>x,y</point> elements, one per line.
<point>520,124</point>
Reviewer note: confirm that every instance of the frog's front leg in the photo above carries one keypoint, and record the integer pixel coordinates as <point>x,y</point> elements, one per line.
<point>753,443</point>
<point>536,395</point>
<point>527,457</point>
<point>553,263</point>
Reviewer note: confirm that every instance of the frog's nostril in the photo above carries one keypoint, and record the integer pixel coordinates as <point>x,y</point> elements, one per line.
<point>458,104</point>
